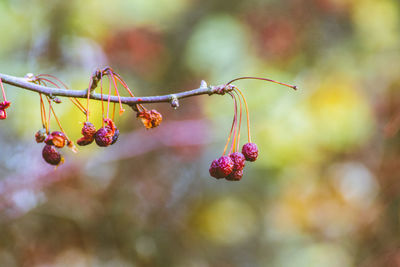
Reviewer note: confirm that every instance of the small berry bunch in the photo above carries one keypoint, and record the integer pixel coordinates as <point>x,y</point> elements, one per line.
<point>5,104</point>
<point>231,166</point>
<point>108,134</point>
<point>57,139</point>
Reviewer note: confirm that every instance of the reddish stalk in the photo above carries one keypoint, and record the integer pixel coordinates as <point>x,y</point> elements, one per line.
<point>121,109</point>
<point>233,145</point>
<point>247,113</point>
<point>43,113</point>
<point>2,90</point>
<point>123,83</point>
<point>75,101</point>
<point>230,132</point>
<point>109,96</point>
<point>240,121</point>
<point>263,79</point>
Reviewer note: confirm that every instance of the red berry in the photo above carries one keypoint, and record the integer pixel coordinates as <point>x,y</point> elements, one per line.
<point>214,170</point>
<point>51,155</point>
<point>224,166</point>
<point>3,114</point>
<point>104,136</point>
<point>88,130</point>
<point>235,175</point>
<point>115,136</point>
<point>238,161</point>
<point>250,151</point>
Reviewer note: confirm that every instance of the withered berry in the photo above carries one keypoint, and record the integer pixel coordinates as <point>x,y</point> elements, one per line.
<point>104,136</point>
<point>214,170</point>
<point>235,175</point>
<point>238,161</point>
<point>51,155</point>
<point>84,141</point>
<point>58,139</point>
<point>150,118</point>
<point>40,135</point>
<point>115,136</point>
<point>250,151</point>
<point>224,166</point>
<point>88,130</point>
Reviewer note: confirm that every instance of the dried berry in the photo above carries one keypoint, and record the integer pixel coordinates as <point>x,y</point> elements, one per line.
<point>58,139</point>
<point>235,175</point>
<point>238,161</point>
<point>214,170</point>
<point>51,155</point>
<point>115,136</point>
<point>104,136</point>
<point>224,166</point>
<point>83,141</point>
<point>40,135</point>
<point>150,118</point>
<point>88,130</point>
<point>250,151</point>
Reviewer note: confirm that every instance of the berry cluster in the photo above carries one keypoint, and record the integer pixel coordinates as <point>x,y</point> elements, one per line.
<point>231,166</point>
<point>105,136</point>
<point>5,104</point>
<point>54,140</point>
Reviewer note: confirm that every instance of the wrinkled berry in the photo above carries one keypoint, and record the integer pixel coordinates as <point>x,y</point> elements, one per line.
<point>250,151</point>
<point>51,155</point>
<point>104,136</point>
<point>214,170</point>
<point>238,161</point>
<point>150,118</point>
<point>58,139</point>
<point>115,136</point>
<point>225,166</point>
<point>235,175</point>
<point>88,130</point>
<point>84,141</point>
<point>40,135</point>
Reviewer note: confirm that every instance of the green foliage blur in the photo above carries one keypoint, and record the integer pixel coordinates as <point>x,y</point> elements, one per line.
<point>325,190</point>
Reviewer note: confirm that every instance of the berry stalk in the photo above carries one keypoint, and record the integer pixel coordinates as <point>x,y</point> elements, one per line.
<point>2,90</point>
<point>230,133</point>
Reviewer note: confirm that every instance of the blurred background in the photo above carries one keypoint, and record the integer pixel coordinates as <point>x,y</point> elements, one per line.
<point>325,190</point>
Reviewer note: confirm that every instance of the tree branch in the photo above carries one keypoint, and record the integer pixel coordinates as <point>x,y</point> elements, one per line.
<point>131,101</point>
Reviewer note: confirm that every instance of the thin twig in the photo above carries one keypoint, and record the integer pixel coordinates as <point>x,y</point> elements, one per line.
<point>131,101</point>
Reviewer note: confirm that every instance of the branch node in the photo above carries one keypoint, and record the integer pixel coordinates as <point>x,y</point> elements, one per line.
<point>174,101</point>
<point>203,84</point>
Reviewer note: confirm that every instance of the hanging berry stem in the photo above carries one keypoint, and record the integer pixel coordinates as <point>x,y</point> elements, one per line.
<point>109,96</point>
<point>123,83</point>
<point>43,113</point>
<point>77,102</point>
<point>2,90</point>
<point>233,125</point>
<point>240,121</point>
<point>233,145</point>
<point>263,79</point>
<point>73,100</point>
<point>247,114</point>
<point>121,109</point>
